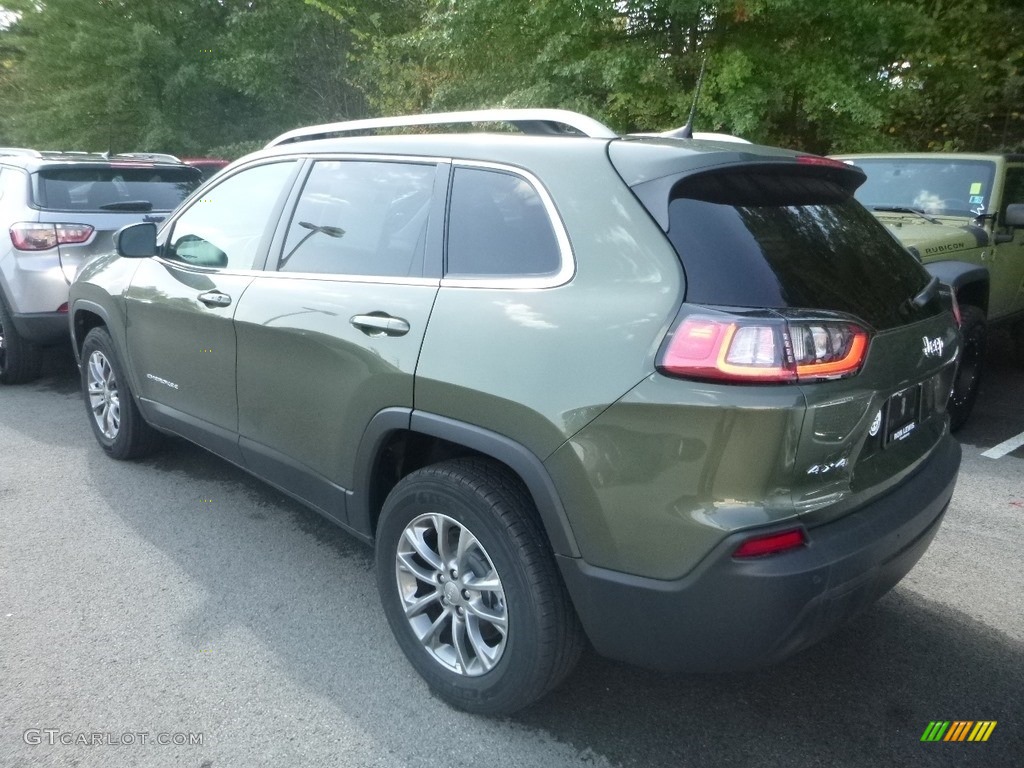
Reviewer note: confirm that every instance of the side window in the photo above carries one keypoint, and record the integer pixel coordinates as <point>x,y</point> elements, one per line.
<point>1013,192</point>
<point>223,229</point>
<point>360,218</point>
<point>497,225</point>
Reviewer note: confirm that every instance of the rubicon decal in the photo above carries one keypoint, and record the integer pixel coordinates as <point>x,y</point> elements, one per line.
<point>958,730</point>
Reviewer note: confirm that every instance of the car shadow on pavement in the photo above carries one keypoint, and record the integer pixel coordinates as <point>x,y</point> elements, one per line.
<point>306,591</point>
<point>862,697</point>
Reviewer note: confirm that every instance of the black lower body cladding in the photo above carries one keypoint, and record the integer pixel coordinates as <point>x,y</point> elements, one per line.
<point>731,614</point>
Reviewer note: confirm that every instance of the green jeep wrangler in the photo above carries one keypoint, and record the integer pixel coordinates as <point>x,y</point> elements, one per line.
<point>963,216</point>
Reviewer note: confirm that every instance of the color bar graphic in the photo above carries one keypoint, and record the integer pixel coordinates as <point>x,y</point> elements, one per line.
<point>958,730</point>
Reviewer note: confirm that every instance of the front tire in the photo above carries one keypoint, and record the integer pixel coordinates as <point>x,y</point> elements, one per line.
<point>115,419</point>
<point>20,360</point>
<point>471,590</point>
<point>969,368</point>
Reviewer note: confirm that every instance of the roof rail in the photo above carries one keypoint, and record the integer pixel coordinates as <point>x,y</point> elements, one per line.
<point>529,121</point>
<point>156,157</point>
<point>20,151</point>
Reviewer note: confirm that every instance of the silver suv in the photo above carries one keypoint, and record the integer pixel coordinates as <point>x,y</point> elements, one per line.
<point>57,209</point>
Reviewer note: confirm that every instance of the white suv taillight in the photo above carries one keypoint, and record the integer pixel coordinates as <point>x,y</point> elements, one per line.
<point>33,236</point>
<point>763,349</point>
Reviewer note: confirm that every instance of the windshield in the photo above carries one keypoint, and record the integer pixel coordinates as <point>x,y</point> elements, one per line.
<point>114,188</point>
<point>940,186</point>
<point>751,239</point>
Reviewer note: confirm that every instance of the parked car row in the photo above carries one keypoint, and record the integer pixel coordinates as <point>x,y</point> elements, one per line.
<point>683,399</point>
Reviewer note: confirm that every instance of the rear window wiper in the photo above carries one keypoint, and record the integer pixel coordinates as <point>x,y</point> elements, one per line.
<point>904,209</point>
<point>128,205</point>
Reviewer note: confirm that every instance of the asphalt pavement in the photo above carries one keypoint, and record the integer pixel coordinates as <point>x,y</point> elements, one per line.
<point>177,612</point>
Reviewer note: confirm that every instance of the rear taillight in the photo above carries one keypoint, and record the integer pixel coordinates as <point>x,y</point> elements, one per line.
<point>763,349</point>
<point>32,236</point>
<point>956,310</point>
<point>772,544</point>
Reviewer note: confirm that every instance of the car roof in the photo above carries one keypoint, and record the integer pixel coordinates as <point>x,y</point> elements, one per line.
<point>525,137</point>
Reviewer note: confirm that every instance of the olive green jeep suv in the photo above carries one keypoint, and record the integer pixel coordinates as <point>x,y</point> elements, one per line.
<point>686,399</point>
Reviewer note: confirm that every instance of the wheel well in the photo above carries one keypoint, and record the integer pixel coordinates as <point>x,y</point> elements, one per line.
<point>405,451</point>
<point>85,321</point>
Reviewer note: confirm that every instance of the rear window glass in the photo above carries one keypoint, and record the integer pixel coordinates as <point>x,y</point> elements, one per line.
<point>114,188</point>
<point>777,241</point>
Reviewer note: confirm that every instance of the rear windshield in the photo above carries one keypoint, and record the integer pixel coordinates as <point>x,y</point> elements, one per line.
<point>941,187</point>
<point>114,188</point>
<point>779,241</point>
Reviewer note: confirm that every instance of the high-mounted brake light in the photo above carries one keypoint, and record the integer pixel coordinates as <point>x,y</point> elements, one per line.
<point>771,544</point>
<point>34,236</point>
<point>818,160</point>
<point>763,350</point>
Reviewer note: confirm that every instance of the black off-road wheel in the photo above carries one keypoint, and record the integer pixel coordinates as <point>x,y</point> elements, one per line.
<point>115,419</point>
<point>21,361</point>
<point>969,369</point>
<point>471,590</point>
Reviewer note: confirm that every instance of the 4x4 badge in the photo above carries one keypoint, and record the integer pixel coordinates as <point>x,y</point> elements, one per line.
<point>932,347</point>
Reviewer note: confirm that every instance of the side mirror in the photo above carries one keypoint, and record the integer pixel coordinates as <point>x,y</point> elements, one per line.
<point>1015,215</point>
<point>136,241</point>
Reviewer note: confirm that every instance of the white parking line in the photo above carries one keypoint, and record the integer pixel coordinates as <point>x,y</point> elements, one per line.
<point>1005,447</point>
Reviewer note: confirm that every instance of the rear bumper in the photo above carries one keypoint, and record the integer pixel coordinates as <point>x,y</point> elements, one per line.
<point>42,327</point>
<point>730,614</point>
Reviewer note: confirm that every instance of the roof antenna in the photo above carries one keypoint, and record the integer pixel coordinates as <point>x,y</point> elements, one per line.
<point>686,132</point>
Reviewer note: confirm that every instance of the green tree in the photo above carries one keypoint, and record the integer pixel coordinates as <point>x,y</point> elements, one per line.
<point>842,75</point>
<point>174,75</point>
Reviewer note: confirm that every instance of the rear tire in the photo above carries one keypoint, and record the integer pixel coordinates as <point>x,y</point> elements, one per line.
<point>970,366</point>
<point>470,587</point>
<point>115,419</point>
<point>20,360</point>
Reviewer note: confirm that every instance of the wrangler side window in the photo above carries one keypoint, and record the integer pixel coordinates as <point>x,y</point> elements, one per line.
<point>225,227</point>
<point>1013,192</point>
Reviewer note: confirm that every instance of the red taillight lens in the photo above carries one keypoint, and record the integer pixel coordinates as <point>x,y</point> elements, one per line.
<point>33,236</point>
<point>748,349</point>
<point>771,544</point>
<point>709,348</point>
<point>956,310</point>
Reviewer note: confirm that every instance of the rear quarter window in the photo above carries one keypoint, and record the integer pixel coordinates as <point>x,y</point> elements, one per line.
<point>790,241</point>
<point>498,226</point>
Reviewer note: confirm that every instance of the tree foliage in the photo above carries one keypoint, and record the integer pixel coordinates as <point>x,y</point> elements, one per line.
<point>188,75</point>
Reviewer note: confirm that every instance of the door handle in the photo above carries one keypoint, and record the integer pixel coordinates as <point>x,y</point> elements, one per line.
<point>215,299</point>
<point>380,324</point>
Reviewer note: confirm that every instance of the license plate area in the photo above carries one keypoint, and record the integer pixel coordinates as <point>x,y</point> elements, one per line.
<point>902,414</point>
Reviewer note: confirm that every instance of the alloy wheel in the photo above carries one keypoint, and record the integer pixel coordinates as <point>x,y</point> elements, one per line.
<point>104,399</point>
<point>452,595</point>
